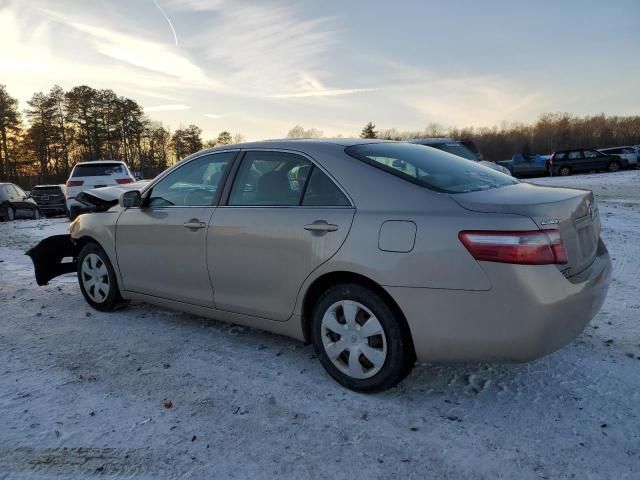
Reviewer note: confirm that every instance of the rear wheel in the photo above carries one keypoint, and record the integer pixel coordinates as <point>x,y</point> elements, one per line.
<point>614,166</point>
<point>97,278</point>
<point>359,339</point>
<point>564,171</point>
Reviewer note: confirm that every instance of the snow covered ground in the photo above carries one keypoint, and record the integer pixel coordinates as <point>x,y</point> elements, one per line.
<point>148,393</point>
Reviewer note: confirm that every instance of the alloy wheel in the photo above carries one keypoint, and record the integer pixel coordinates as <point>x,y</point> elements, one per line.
<point>353,339</point>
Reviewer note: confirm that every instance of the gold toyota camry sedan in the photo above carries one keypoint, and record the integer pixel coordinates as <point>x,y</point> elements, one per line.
<point>381,254</point>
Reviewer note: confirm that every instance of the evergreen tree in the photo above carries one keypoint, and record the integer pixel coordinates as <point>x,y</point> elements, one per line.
<point>369,131</point>
<point>9,122</point>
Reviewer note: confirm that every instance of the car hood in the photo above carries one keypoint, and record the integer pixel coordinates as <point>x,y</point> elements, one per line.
<point>103,198</point>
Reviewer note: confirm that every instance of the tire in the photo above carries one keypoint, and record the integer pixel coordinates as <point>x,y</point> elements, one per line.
<point>564,171</point>
<point>97,278</point>
<point>36,214</point>
<point>614,166</point>
<point>363,363</point>
<point>10,214</point>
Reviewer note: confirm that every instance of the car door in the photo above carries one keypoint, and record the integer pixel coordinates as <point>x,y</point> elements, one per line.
<point>162,246</point>
<point>19,200</point>
<point>284,217</point>
<point>576,161</point>
<point>595,160</point>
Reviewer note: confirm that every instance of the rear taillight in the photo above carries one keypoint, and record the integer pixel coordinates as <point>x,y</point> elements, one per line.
<point>74,183</point>
<point>124,180</point>
<point>538,247</point>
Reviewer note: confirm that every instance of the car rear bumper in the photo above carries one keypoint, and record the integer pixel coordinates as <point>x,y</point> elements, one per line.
<point>530,311</point>
<point>52,207</point>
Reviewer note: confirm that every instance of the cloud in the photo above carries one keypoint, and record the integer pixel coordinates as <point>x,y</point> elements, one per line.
<point>167,108</point>
<point>310,86</point>
<point>215,116</point>
<point>262,47</point>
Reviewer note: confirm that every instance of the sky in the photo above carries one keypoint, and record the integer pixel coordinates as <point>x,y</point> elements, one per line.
<point>261,67</point>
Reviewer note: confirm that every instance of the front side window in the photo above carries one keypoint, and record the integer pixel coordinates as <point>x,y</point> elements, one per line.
<point>194,184</point>
<point>590,154</point>
<point>270,179</point>
<point>575,155</point>
<point>429,167</point>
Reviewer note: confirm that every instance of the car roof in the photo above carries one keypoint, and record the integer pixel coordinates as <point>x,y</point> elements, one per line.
<point>574,149</point>
<point>93,162</point>
<point>300,142</point>
<point>47,186</point>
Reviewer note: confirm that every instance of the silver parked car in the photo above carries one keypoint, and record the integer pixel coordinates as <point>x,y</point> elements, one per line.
<point>379,253</point>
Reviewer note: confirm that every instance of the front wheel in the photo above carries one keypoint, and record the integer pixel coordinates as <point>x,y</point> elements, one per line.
<point>97,278</point>
<point>35,214</point>
<point>360,340</point>
<point>565,171</point>
<point>614,166</point>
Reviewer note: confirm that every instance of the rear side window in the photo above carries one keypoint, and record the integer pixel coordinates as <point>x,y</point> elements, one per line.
<point>560,156</point>
<point>429,167</point>
<point>322,192</point>
<point>575,155</point>
<point>270,179</point>
<point>99,170</point>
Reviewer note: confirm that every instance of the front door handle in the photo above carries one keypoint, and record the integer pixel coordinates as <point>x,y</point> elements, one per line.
<point>321,226</point>
<point>194,223</point>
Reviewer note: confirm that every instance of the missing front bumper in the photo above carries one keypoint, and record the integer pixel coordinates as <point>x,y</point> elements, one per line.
<point>48,258</point>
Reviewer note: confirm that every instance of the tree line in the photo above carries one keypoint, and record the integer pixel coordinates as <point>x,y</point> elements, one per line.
<point>60,128</point>
<point>550,133</point>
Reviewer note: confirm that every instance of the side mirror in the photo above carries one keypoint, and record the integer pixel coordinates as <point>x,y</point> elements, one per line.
<point>131,199</point>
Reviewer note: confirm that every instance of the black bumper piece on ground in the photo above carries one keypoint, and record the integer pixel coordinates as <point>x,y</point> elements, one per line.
<point>47,257</point>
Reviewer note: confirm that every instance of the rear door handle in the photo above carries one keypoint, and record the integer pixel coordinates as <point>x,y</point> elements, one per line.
<point>321,226</point>
<point>194,223</point>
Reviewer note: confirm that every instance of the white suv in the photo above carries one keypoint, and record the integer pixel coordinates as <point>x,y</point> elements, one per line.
<point>88,175</point>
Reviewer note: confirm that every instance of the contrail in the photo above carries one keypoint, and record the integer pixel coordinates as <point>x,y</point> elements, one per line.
<point>168,21</point>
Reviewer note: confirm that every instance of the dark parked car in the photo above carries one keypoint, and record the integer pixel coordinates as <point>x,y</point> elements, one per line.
<point>50,199</point>
<point>566,162</point>
<point>527,166</point>
<point>16,203</point>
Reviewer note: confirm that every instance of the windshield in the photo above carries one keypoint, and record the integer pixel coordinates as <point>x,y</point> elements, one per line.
<point>429,167</point>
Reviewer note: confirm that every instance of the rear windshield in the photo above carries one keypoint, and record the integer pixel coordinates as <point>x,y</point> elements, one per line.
<point>99,170</point>
<point>429,167</point>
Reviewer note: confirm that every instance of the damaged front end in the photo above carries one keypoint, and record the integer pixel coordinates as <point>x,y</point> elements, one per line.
<point>52,257</point>
<point>57,255</point>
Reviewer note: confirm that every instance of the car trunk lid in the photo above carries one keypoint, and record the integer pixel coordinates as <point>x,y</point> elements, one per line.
<point>573,212</point>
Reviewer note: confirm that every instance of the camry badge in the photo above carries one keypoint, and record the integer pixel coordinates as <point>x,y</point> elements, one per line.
<point>550,221</point>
